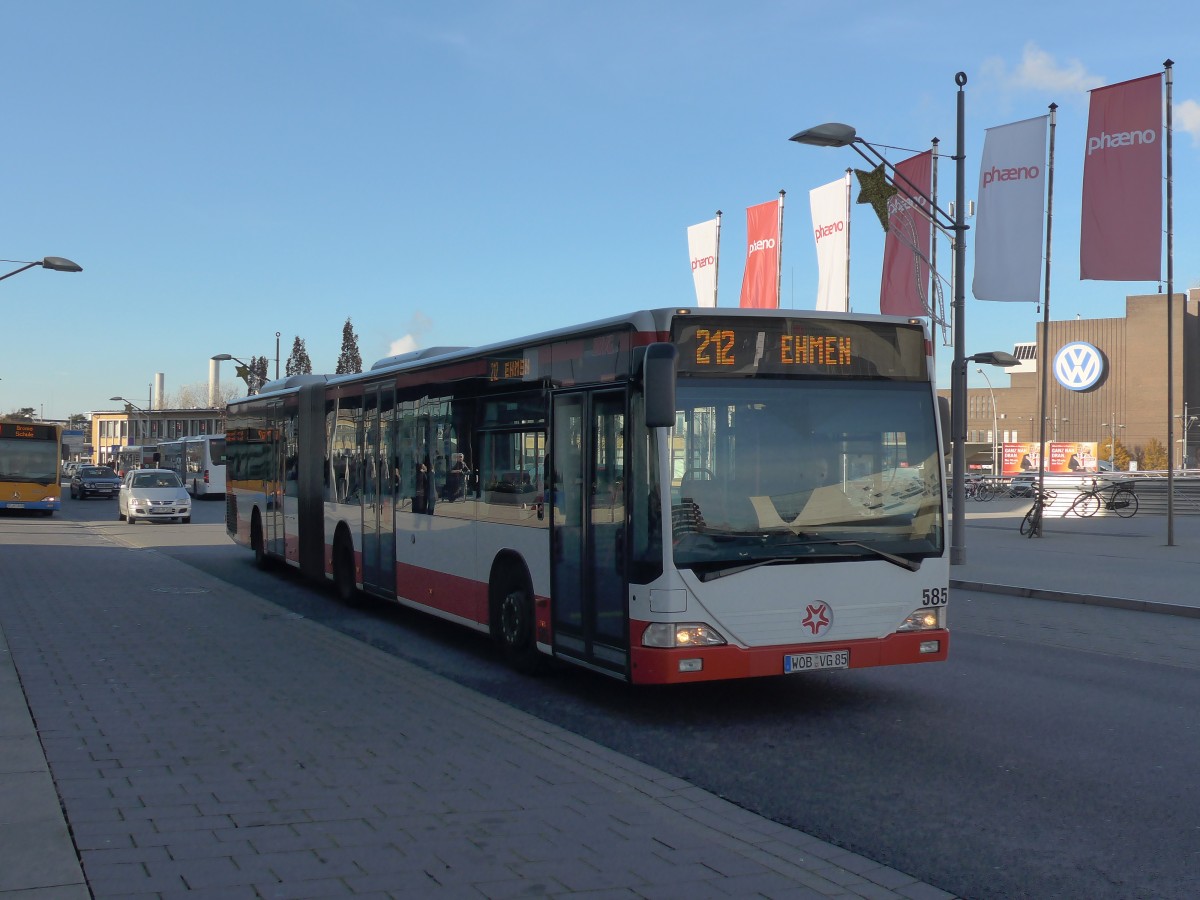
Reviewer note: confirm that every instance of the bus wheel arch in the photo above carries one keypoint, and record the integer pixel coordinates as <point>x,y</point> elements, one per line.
<point>345,577</point>
<point>511,612</point>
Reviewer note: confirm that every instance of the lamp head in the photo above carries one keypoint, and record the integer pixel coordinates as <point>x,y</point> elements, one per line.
<point>831,134</point>
<point>221,357</point>
<point>994,358</point>
<point>59,264</point>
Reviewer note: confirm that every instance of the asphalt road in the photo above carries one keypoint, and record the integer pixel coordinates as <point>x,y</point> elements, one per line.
<point>1052,756</point>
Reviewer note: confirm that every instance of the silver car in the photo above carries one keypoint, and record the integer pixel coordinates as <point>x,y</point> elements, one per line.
<point>153,494</point>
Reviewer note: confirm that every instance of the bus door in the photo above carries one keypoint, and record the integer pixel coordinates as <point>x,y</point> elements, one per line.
<point>379,498</point>
<point>587,568</point>
<point>276,453</point>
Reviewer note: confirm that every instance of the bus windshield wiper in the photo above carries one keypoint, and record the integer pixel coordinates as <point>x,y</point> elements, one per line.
<point>911,565</point>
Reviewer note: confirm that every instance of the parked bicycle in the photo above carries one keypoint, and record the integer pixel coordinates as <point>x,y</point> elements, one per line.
<point>1118,497</point>
<point>979,489</point>
<point>1031,525</point>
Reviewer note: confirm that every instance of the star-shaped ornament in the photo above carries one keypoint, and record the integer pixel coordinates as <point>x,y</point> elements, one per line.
<point>874,188</point>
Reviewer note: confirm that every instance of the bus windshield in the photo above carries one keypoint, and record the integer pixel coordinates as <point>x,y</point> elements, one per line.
<point>804,470</point>
<point>35,462</point>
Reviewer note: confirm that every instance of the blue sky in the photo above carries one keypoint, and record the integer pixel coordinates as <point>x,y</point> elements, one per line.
<point>469,172</point>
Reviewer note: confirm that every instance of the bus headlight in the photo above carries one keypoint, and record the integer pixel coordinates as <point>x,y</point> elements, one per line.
<point>680,634</point>
<point>922,620</point>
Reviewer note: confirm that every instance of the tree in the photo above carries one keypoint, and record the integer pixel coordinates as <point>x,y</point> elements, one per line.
<point>258,374</point>
<point>78,420</point>
<point>26,413</point>
<point>350,360</point>
<point>298,362</point>
<point>1104,450</point>
<point>1153,456</point>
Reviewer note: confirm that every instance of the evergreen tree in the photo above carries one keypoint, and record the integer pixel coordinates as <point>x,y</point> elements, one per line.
<point>298,362</point>
<point>258,374</point>
<point>350,360</point>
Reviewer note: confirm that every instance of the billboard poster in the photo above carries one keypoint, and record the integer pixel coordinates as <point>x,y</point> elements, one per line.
<point>1070,457</point>
<point>1063,458</point>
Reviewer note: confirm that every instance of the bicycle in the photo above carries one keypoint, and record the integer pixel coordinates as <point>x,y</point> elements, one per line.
<point>980,489</point>
<point>1031,525</point>
<point>1120,498</point>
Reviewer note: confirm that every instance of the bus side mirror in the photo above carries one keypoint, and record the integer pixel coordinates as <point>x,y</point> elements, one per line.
<point>658,385</point>
<point>944,415</point>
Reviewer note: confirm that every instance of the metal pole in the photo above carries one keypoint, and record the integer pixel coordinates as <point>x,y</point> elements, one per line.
<point>958,372</point>
<point>1043,366</point>
<point>1170,328</point>
<point>995,418</point>
<point>277,355</point>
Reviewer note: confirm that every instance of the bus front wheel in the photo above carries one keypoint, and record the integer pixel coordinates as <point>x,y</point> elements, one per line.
<point>257,544</point>
<point>513,614</point>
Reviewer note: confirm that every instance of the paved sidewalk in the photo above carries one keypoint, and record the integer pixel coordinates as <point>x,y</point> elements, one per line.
<point>202,741</point>
<point>1104,560</point>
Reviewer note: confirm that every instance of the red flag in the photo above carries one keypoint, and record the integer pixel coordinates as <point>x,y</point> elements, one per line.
<point>1120,237</point>
<point>760,283</point>
<point>905,286</point>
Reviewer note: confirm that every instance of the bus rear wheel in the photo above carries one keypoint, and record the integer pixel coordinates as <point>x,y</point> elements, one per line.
<point>344,577</point>
<point>513,614</point>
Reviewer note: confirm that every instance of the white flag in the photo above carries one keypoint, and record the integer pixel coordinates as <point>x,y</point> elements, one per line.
<point>1010,219</point>
<point>830,205</point>
<point>704,245</point>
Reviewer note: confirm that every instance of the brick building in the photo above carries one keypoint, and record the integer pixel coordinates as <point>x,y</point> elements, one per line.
<point>1128,397</point>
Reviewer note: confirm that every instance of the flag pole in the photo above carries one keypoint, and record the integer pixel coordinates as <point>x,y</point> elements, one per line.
<point>1043,367</point>
<point>848,171</point>
<point>934,327</point>
<point>717,264</point>
<point>1168,65</point>
<point>779,255</point>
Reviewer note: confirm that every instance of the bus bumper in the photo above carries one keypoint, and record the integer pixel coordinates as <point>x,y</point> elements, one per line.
<point>681,665</point>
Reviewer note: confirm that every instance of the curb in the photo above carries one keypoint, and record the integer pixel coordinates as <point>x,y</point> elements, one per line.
<point>1152,606</point>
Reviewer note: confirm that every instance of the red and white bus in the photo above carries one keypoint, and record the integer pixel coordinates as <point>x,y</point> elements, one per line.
<point>670,496</point>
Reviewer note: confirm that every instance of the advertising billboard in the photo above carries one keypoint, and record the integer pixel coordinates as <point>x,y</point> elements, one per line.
<point>1063,457</point>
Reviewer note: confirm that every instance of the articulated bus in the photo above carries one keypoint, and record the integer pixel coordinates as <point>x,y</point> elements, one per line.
<point>671,496</point>
<point>30,457</point>
<point>199,461</point>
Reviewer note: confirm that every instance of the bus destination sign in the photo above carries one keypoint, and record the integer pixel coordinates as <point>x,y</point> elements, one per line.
<point>26,430</point>
<point>814,347</point>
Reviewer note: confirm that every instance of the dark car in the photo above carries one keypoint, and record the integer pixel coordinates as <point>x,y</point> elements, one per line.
<point>94,481</point>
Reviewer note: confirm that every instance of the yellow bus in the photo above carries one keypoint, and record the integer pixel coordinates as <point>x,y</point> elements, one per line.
<point>30,457</point>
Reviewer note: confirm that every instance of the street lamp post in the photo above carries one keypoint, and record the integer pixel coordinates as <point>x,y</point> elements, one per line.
<point>145,415</point>
<point>836,134</point>
<point>243,371</point>
<point>995,418</point>
<point>53,263</point>
<point>1188,422</point>
<point>1112,443</point>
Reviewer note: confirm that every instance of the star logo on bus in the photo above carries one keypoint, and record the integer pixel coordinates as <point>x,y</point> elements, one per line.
<point>817,618</point>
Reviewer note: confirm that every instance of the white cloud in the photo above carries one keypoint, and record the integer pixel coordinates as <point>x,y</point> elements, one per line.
<point>1186,117</point>
<point>1038,70</point>
<point>418,325</point>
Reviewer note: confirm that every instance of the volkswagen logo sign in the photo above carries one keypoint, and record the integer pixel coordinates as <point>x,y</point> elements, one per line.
<point>1078,366</point>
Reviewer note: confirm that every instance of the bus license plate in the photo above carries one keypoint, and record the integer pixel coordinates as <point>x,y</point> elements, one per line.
<point>16,506</point>
<point>807,662</point>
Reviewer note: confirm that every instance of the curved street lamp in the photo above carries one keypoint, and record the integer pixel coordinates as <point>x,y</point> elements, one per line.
<point>146,415</point>
<point>836,134</point>
<point>54,263</point>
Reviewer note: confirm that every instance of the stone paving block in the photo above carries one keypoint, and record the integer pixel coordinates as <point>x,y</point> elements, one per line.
<point>37,854</point>
<point>21,751</point>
